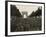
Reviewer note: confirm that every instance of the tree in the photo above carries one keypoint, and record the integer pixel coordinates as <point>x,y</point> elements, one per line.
<point>15,11</point>
<point>36,13</point>
<point>32,14</point>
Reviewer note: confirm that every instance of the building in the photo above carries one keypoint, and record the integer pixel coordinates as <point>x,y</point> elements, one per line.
<point>24,14</point>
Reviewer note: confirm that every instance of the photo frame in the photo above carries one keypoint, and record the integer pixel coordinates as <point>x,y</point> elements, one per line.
<point>36,27</point>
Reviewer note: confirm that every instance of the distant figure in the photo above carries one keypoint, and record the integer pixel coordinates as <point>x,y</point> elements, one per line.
<point>24,14</point>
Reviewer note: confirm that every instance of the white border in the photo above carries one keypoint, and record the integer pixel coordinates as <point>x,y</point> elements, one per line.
<point>28,32</point>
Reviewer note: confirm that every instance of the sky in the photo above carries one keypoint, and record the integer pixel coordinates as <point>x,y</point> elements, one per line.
<point>27,8</point>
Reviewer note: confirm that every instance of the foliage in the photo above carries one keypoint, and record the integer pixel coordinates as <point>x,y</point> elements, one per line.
<point>15,11</point>
<point>28,24</point>
<point>36,13</point>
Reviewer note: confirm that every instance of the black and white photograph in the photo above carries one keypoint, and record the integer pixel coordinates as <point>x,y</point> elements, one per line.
<point>25,18</point>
